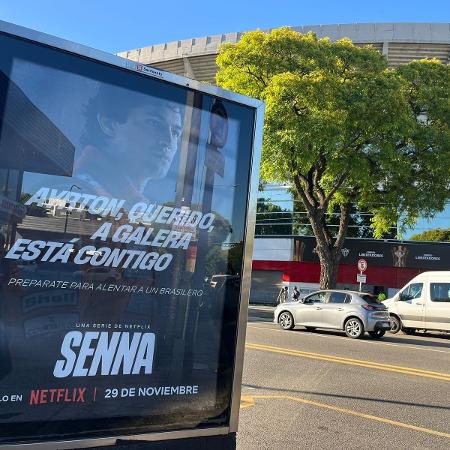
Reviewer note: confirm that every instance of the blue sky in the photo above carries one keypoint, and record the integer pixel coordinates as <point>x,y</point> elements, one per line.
<point>113,25</point>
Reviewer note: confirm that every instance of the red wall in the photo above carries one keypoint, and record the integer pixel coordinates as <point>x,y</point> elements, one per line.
<point>308,272</point>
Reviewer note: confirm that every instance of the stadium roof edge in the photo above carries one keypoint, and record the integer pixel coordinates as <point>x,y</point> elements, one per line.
<point>420,32</point>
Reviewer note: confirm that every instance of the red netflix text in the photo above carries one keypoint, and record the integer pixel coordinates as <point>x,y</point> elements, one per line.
<point>72,395</point>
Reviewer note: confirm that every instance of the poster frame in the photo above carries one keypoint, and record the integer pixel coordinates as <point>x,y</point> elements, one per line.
<point>99,56</point>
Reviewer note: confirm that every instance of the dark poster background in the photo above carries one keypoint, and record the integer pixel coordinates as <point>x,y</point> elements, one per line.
<point>91,133</point>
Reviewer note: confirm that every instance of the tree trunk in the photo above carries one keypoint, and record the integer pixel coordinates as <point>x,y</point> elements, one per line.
<point>329,266</point>
<point>316,203</point>
<point>328,248</point>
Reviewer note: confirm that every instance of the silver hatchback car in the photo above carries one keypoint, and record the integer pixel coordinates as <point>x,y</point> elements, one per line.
<point>351,311</point>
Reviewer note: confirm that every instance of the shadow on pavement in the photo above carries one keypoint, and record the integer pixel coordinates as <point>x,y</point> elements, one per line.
<point>260,315</point>
<point>352,397</point>
<point>265,314</point>
<point>419,340</point>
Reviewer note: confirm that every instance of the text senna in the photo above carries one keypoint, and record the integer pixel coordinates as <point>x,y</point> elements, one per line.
<point>101,353</point>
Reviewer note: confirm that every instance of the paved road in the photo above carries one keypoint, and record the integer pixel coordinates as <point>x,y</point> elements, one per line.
<point>322,390</point>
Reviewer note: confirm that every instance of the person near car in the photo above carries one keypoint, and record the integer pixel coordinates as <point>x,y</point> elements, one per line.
<point>295,294</point>
<point>283,295</point>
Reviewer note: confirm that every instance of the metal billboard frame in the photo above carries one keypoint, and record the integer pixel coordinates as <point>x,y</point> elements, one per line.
<point>132,66</point>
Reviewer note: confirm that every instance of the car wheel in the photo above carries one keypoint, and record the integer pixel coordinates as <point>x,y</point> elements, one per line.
<point>396,324</point>
<point>310,328</point>
<point>354,328</point>
<point>286,320</point>
<point>409,331</point>
<point>377,334</point>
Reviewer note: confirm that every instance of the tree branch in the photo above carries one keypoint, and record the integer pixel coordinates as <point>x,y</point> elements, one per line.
<point>326,230</point>
<point>298,178</point>
<point>339,183</point>
<point>306,180</point>
<point>256,77</point>
<point>343,225</point>
<point>319,171</point>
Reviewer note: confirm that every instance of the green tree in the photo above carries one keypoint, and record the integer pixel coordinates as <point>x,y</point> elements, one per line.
<point>345,130</point>
<point>235,257</point>
<point>438,234</point>
<point>32,210</point>
<point>215,261</point>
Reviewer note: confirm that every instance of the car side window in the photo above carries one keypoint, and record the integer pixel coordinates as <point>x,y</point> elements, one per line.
<point>338,297</point>
<point>318,297</point>
<point>414,290</point>
<point>404,295</point>
<point>440,292</point>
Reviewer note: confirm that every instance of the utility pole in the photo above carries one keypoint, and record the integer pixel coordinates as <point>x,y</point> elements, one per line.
<point>67,208</point>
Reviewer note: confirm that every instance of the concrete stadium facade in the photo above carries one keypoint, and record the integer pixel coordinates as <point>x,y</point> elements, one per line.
<point>400,42</point>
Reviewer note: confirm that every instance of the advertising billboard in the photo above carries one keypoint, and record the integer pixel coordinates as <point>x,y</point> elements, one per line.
<point>125,266</point>
<point>410,254</point>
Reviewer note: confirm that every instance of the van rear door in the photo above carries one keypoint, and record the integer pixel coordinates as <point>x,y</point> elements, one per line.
<point>437,311</point>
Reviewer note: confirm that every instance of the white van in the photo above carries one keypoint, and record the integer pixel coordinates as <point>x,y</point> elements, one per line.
<point>423,304</point>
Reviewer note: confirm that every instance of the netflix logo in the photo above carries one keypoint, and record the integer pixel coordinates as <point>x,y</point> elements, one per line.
<point>43,396</point>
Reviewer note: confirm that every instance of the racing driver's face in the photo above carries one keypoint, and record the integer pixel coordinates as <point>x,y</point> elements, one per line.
<point>148,139</point>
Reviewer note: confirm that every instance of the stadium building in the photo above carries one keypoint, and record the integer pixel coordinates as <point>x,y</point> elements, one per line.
<point>283,255</point>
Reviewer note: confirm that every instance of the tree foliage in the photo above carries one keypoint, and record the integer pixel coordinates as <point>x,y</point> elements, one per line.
<point>438,234</point>
<point>344,129</point>
<point>32,210</point>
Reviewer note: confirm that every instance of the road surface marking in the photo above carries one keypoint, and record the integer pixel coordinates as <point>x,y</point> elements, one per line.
<point>248,399</point>
<point>350,361</point>
<point>357,341</point>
